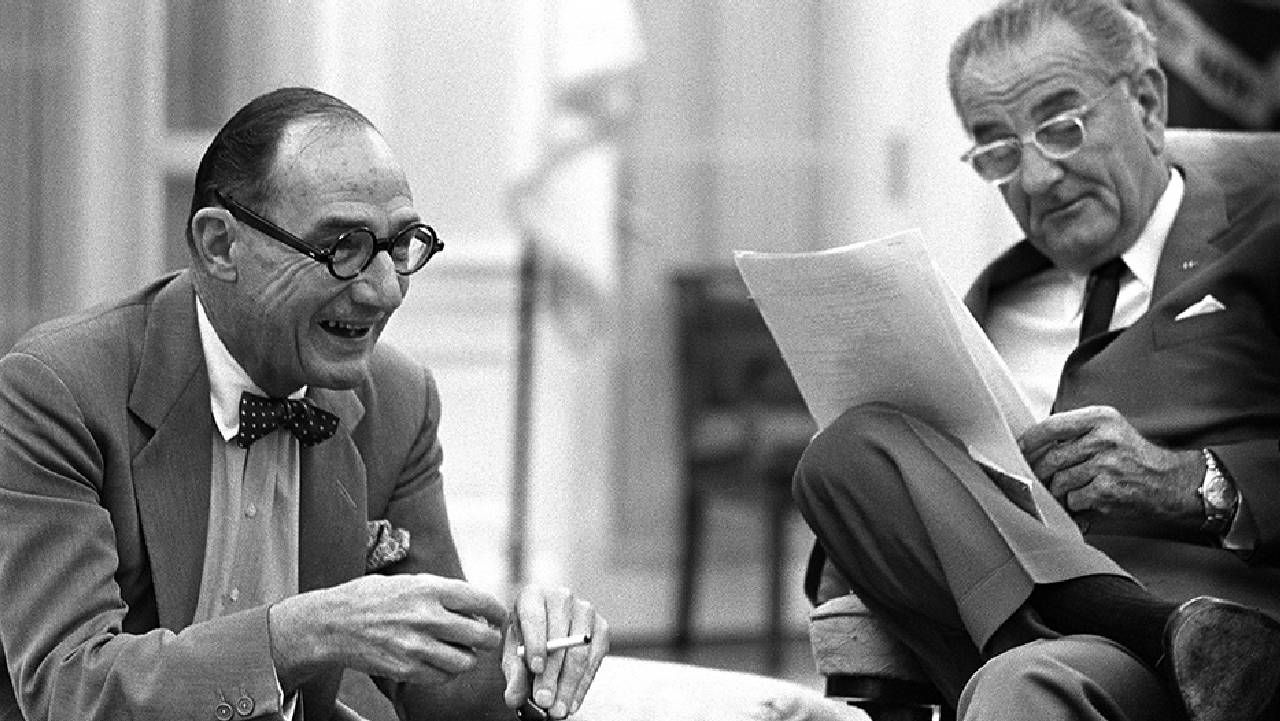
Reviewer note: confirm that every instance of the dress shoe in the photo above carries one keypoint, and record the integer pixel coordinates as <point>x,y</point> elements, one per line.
<point>1224,659</point>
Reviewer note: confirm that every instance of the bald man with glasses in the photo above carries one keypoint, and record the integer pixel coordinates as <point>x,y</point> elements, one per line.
<point>221,492</point>
<point>1141,316</point>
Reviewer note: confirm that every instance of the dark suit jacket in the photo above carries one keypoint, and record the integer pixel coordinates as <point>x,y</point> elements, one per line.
<point>1207,381</point>
<point>104,492</point>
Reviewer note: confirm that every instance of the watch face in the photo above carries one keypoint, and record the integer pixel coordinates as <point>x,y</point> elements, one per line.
<point>1215,491</point>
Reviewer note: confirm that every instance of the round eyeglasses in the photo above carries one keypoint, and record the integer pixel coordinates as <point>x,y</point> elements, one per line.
<point>1057,138</point>
<point>350,253</point>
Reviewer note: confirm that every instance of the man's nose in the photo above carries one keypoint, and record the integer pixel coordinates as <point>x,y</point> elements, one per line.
<point>1036,172</point>
<point>379,284</point>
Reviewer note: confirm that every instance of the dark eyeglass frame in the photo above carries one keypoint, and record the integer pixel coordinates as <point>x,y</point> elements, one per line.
<point>326,255</point>
<point>1074,116</point>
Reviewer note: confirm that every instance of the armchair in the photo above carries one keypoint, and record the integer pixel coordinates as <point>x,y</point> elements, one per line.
<point>859,658</point>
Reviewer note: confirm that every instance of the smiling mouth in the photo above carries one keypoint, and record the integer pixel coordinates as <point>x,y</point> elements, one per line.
<point>345,330</point>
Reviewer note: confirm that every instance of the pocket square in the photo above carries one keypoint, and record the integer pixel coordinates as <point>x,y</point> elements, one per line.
<point>386,545</point>
<point>1204,306</point>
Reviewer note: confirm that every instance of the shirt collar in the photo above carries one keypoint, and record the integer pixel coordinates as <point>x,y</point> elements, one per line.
<point>1144,256</point>
<point>227,378</point>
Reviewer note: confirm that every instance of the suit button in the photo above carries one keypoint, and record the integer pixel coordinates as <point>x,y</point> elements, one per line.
<point>244,705</point>
<point>223,712</point>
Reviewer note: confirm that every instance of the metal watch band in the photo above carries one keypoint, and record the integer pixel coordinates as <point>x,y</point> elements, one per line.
<point>1219,496</point>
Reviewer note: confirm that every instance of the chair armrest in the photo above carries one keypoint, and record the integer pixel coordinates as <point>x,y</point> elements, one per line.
<point>865,665</point>
<point>847,639</point>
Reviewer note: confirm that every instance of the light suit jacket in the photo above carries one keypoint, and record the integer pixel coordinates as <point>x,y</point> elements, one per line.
<point>1211,380</point>
<point>104,491</point>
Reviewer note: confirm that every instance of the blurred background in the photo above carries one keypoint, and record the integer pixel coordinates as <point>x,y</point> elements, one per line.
<point>591,165</point>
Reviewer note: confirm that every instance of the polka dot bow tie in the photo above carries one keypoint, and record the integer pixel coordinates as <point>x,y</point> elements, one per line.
<point>259,416</point>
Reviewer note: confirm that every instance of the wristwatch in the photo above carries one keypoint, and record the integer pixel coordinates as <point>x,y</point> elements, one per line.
<point>1219,496</point>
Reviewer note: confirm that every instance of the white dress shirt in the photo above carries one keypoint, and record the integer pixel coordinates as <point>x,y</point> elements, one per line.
<point>251,548</point>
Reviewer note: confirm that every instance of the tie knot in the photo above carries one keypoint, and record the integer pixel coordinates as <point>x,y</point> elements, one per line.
<point>260,416</point>
<point>1112,269</point>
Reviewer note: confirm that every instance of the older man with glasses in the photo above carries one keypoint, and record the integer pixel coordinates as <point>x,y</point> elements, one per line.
<point>1142,318</point>
<point>219,493</point>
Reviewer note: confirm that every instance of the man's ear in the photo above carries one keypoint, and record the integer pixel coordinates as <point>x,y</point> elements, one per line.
<point>1151,91</point>
<point>213,233</point>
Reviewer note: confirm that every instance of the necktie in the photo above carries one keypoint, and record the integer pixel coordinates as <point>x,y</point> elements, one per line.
<point>1100,298</point>
<point>259,416</point>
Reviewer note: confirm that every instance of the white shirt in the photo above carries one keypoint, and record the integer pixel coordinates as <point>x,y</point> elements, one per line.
<point>1035,323</point>
<point>251,548</point>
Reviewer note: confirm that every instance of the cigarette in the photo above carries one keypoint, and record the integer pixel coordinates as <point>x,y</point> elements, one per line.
<point>557,644</point>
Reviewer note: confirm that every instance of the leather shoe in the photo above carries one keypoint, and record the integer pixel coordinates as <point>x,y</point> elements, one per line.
<point>1224,660</point>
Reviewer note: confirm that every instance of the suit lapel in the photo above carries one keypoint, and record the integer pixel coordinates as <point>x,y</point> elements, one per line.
<point>333,503</point>
<point>1201,217</point>
<point>171,469</point>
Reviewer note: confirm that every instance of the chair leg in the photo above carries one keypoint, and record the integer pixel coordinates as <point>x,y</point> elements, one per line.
<point>779,502</point>
<point>691,558</point>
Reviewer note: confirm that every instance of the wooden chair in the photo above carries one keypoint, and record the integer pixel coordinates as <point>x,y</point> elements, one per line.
<point>861,661</point>
<point>743,428</point>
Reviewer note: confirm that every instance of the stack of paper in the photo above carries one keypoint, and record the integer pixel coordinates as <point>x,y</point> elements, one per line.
<point>876,321</point>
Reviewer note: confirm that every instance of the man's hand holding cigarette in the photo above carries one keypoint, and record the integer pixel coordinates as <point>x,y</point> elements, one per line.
<point>552,649</point>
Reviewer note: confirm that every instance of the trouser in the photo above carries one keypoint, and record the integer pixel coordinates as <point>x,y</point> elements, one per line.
<point>931,545</point>
<point>1071,678</point>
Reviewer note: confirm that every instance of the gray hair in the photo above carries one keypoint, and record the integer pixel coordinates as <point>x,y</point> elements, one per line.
<point>1114,32</point>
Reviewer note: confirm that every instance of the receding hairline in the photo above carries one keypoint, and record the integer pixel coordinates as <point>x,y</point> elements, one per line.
<point>315,125</point>
<point>1123,39</point>
<point>1083,56</point>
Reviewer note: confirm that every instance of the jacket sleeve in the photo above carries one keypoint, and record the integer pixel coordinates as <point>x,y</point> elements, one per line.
<point>63,616</point>
<point>406,487</point>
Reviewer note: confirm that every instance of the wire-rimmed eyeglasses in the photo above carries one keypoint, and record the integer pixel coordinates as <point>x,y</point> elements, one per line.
<point>1058,138</point>
<point>350,253</point>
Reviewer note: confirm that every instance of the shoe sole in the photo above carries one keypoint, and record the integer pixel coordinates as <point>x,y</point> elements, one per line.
<point>1233,654</point>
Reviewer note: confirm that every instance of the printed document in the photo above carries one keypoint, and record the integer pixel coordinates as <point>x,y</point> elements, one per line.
<point>877,321</point>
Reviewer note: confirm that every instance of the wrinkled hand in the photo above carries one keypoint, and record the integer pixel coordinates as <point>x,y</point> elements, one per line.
<point>417,628</point>
<point>1093,460</point>
<point>557,681</point>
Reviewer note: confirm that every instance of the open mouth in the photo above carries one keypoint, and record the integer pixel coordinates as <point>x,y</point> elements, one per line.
<point>345,330</point>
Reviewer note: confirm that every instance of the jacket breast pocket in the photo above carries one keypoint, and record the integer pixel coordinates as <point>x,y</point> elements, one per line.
<point>1207,327</point>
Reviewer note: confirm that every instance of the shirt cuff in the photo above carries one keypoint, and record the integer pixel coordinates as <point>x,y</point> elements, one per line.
<point>1242,534</point>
